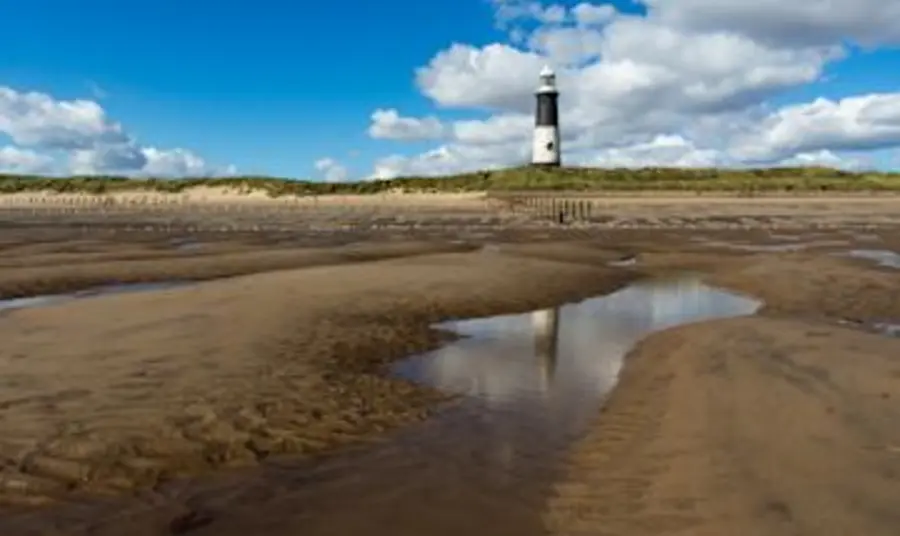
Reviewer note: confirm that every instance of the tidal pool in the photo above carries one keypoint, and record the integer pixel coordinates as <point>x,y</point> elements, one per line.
<point>551,368</point>
<point>93,292</point>
<point>530,385</point>
<point>883,257</point>
<point>788,247</point>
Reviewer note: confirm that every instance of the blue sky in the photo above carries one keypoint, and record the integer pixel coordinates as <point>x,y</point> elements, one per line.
<point>271,87</point>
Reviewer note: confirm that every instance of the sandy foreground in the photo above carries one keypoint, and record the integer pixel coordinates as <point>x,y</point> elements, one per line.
<point>786,422</point>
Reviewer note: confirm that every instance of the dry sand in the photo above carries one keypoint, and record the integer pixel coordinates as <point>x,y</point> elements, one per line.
<point>782,423</point>
<point>226,209</point>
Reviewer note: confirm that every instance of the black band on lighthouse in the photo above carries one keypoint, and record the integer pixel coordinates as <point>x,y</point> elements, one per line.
<point>547,110</point>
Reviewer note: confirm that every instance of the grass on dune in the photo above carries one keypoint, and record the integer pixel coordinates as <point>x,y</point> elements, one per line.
<point>746,181</point>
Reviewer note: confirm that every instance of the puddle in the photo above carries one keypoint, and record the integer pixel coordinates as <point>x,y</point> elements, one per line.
<point>776,248</point>
<point>556,358</point>
<point>882,257</point>
<point>186,244</point>
<point>888,328</point>
<point>531,384</point>
<point>624,262</point>
<point>881,327</point>
<point>93,292</point>
<point>785,237</point>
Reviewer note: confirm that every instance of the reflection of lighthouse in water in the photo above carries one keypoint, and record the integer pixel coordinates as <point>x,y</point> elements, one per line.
<point>521,358</point>
<point>545,324</point>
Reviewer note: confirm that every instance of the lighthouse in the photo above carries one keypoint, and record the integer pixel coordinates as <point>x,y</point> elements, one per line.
<point>545,150</point>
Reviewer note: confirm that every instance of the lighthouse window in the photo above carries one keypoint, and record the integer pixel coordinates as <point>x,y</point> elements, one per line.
<point>549,145</point>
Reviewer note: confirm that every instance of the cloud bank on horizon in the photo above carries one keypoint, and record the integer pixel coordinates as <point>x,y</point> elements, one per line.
<point>688,83</point>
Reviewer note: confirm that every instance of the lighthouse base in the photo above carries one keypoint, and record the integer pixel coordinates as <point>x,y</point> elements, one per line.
<point>545,148</point>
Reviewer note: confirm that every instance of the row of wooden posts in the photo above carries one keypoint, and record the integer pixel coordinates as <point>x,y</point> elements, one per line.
<point>560,210</point>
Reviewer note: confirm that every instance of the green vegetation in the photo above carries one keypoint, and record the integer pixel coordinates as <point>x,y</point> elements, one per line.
<point>746,182</point>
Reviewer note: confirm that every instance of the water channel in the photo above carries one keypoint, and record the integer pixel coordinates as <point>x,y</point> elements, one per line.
<point>531,384</point>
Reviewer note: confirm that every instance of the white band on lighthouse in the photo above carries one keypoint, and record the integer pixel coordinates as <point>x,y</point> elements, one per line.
<point>545,150</point>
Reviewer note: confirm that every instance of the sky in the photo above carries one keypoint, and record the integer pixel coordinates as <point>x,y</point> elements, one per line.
<point>356,90</point>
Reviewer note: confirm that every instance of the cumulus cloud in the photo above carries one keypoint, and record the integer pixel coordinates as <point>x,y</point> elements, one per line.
<point>389,125</point>
<point>854,123</point>
<point>332,170</point>
<point>661,151</point>
<point>497,129</point>
<point>37,120</point>
<point>824,158</point>
<point>17,160</point>
<point>507,12</point>
<point>91,141</point>
<point>688,83</point>
<point>496,76</point>
<point>452,158</point>
<point>586,14</point>
<point>802,22</point>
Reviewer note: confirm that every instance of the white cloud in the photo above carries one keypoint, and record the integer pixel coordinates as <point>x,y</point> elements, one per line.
<point>661,151</point>
<point>496,129</point>
<point>495,76</point>
<point>36,119</point>
<point>824,158</point>
<point>566,45</point>
<point>93,142</point>
<point>854,123</point>
<point>509,11</point>
<point>586,14</point>
<point>113,158</point>
<point>686,84</point>
<point>643,68</point>
<point>16,160</point>
<point>332,170</point>
<point>131,159</point>
<point>389,125</point>
<point>800,22</point>
<point>178,163</point>
<point>451,158</point>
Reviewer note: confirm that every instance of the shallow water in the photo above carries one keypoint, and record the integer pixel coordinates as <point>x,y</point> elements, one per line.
<point>531,384</point>
<point>891,329</point>
<point>790,246</point>
<point>186,244</point>
<point>93,292</point>
<point>556,358</point>
<point>883,257</point>
<point>623,262</point>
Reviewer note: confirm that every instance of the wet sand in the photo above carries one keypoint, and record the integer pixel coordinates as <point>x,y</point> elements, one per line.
<point>781,423</point>
<point>130,390</point>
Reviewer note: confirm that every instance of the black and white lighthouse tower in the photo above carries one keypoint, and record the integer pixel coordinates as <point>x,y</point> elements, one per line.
<point>546,150</point>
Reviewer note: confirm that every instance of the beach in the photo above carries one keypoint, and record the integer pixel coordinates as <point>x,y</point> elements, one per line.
<point>255,354</point>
